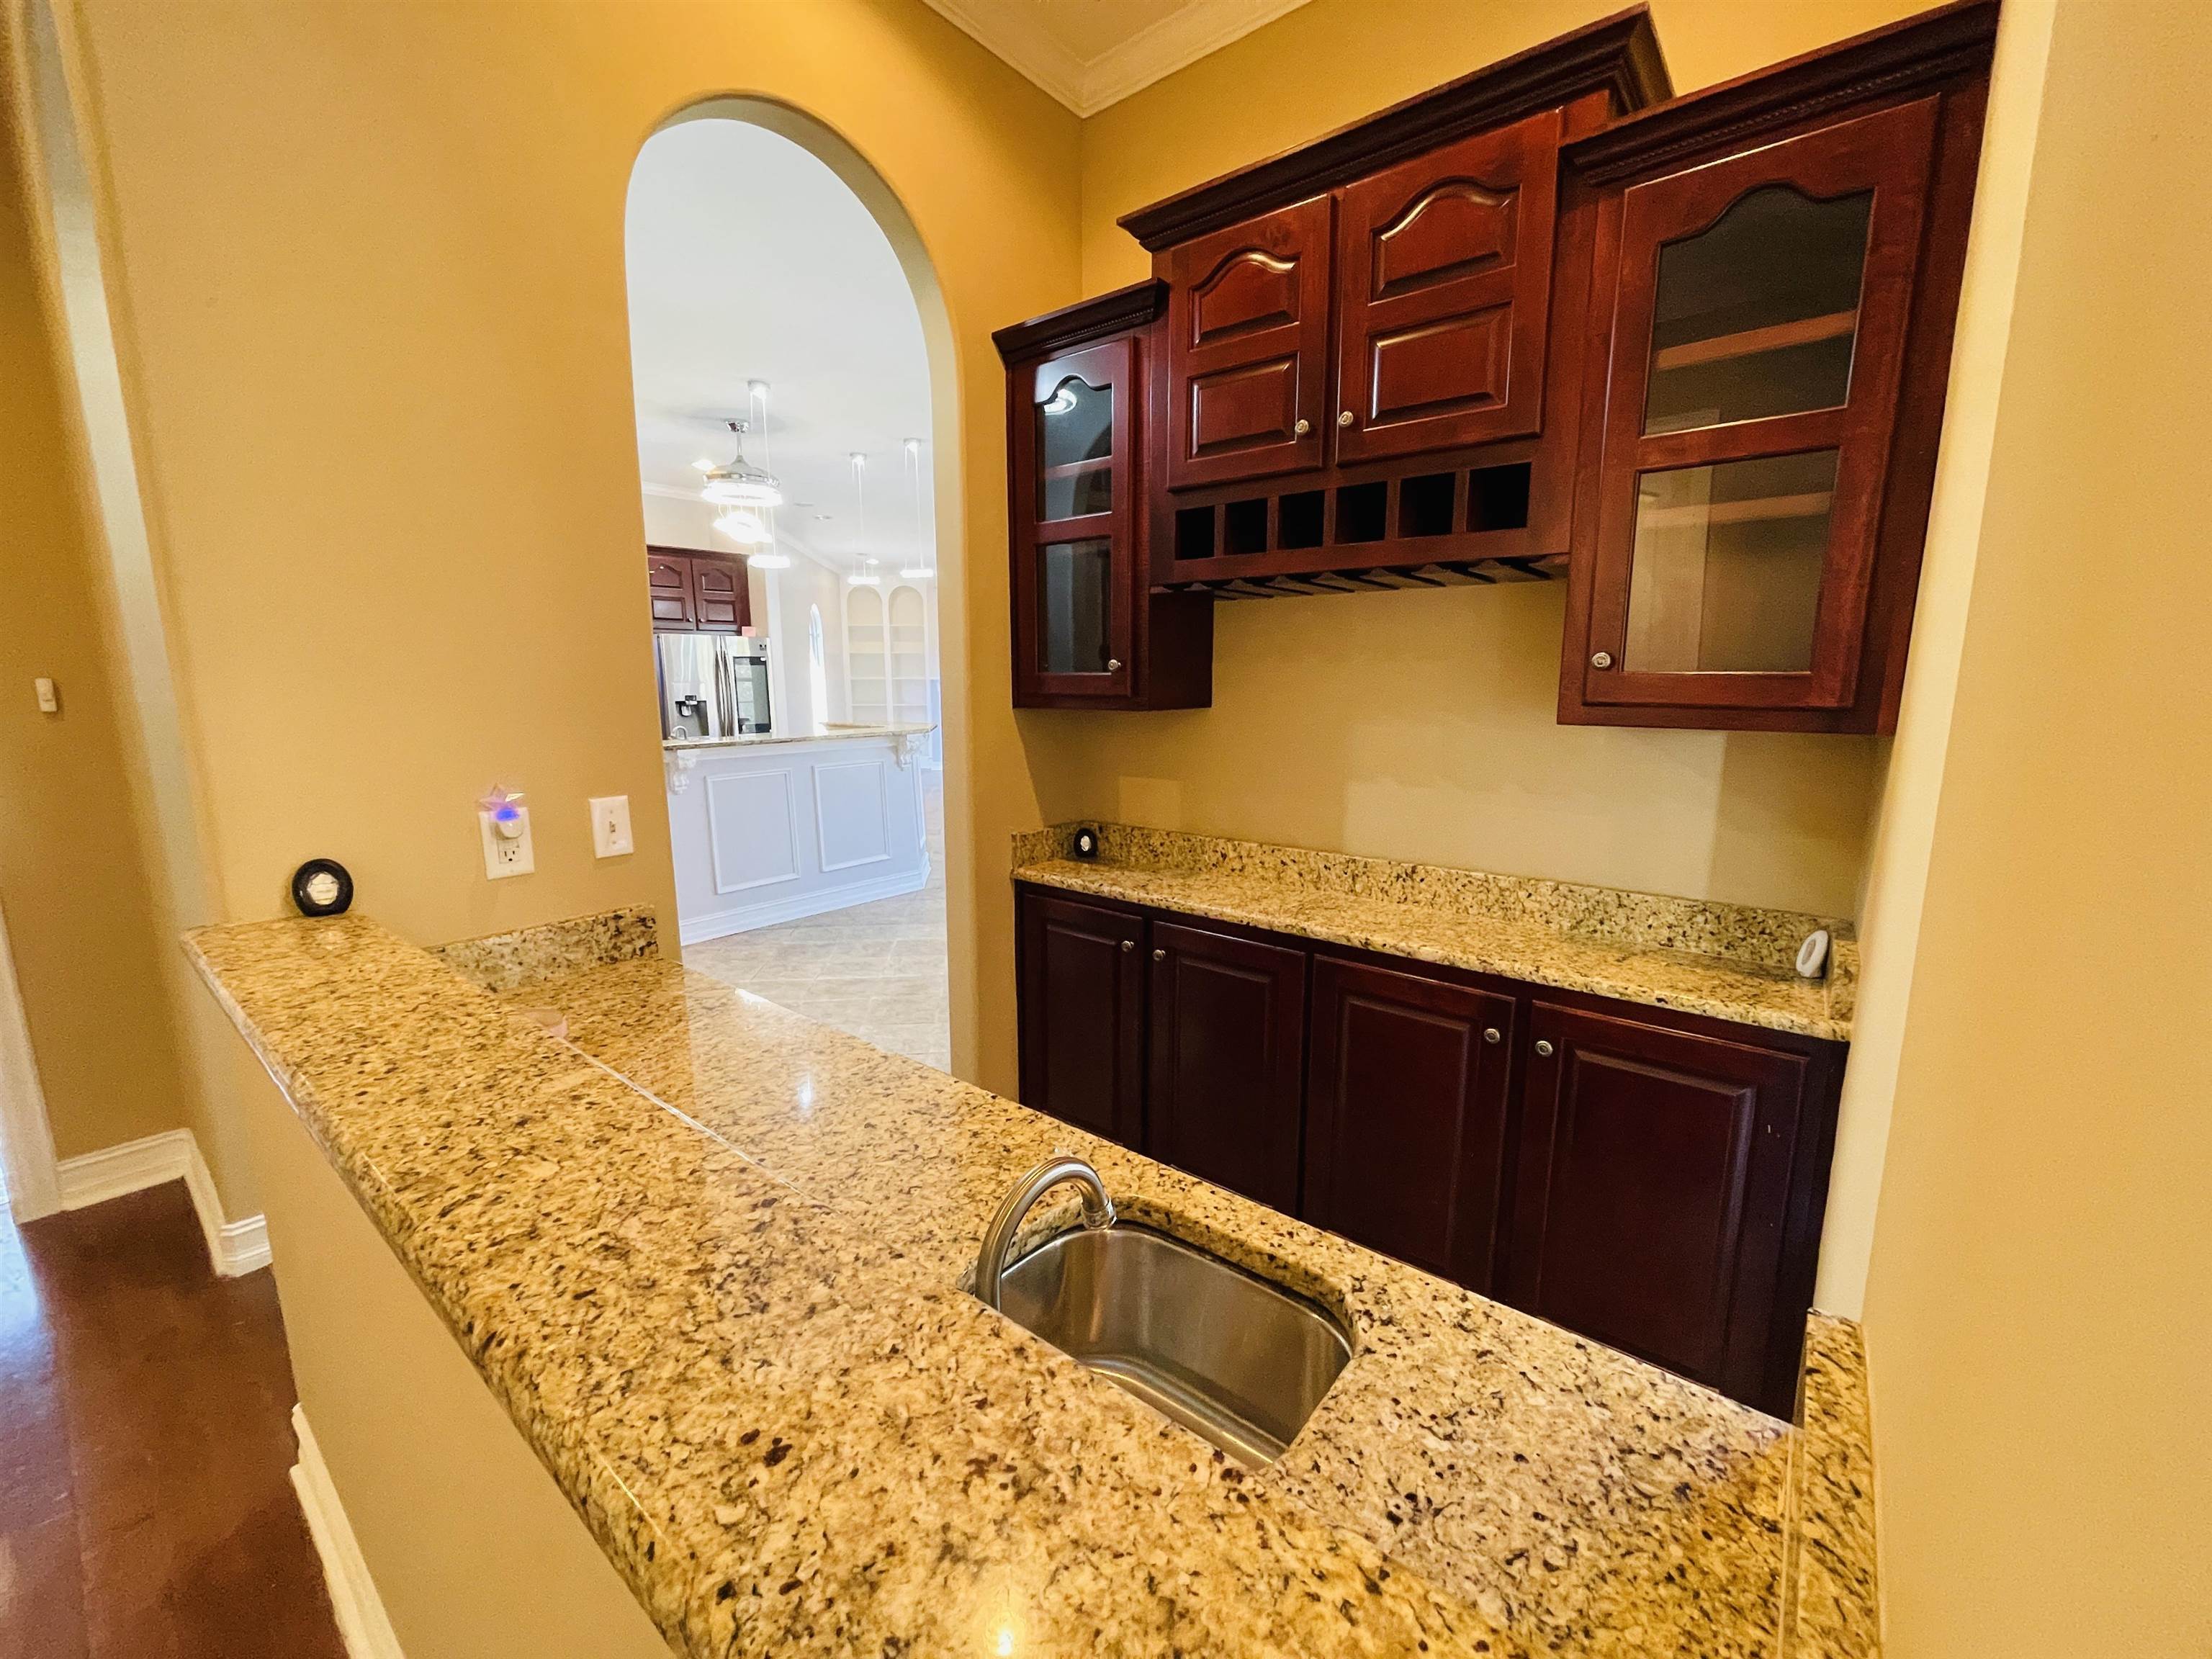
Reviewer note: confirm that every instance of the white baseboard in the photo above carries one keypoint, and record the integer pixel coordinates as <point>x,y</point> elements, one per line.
<point>233,1247</point>
<point>743,918</point>
<point>362,1624</point>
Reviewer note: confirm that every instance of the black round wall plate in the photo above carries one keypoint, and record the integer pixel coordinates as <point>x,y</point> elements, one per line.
<point>322,887</point>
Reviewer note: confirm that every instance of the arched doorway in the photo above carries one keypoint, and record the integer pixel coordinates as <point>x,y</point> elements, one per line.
<point>785,362</point>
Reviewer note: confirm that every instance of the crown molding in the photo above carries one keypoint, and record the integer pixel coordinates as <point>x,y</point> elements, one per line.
<point>1153,54</point>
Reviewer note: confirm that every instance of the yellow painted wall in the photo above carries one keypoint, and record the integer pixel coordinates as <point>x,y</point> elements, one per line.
<point>2040,1287</point>
<point>95,967</point>
<point>368,271</point>
<point>1422,724</point>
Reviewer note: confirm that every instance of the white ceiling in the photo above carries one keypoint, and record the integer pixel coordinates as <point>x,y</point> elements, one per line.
<point>1090,54</point>
<point>749,259</point>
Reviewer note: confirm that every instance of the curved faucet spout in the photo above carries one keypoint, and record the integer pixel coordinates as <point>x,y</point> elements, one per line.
<point>999,1237</point>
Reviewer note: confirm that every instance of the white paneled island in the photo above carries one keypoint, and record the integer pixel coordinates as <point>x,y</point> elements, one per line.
<point>768,829</point>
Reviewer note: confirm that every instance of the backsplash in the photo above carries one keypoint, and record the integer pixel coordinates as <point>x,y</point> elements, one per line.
<point>506,962</point>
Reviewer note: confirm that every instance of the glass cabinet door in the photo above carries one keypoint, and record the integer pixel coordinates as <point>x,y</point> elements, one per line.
<point>1761,305</point>
<point>1075,518</point>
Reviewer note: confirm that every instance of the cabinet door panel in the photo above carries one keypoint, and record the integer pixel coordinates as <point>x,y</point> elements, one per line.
<point>1227,1042</point>
<point>1082,1015</point>
<point>668,581</point>
<point>1444,284</point>
<point>718,592</point>
<point>1759,309</point>
<point>1406,1103</point>
<point>1248,348</point>
<point>1654,1178</point>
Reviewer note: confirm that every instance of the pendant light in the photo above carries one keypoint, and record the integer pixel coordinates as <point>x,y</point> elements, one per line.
<point>866,575</point>
<point>755,528</point>
<point>738,483</point>
<point>918,569</point>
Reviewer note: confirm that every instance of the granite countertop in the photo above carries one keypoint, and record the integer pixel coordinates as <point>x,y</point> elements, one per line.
<point>829,734</point>
<point>1731,962</point>
<point>708,1254</point>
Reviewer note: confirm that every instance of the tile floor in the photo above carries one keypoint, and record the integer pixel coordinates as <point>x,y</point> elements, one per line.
<point>876,970</point>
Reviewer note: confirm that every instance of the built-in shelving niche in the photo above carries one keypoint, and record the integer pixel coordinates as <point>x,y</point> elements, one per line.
<point>1425,530</point>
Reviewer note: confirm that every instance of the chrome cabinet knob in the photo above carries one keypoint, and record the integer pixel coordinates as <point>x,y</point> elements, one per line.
<point>1346,418</point>
<point>1160,955</point>
<point>1544,1049</point>
<point>1600,659</point>
<point>1302,429</point>
<point>1113,664</point>
<point>1490,1034</point>
<point>1128,945</point>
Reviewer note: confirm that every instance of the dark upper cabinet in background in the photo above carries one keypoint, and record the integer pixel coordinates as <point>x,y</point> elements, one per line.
<point>668,584</point>
<point>695,592</point>
<point>1225,1046</point>
<point>1247,332</point>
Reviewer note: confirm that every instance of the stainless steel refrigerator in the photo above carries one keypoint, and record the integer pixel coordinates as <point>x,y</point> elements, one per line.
<point>712,685</point>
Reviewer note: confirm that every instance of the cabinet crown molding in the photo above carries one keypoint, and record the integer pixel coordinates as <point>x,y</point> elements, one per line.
<point>1085,321</point>
<point>1618,55</point>
<point>1897,58</point>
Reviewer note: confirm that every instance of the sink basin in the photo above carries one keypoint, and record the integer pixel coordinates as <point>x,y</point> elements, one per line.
<point>1242,1362</point>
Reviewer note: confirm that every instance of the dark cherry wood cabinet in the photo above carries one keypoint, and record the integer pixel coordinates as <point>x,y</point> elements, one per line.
<point>1225,1046</point>
<point>1082,1014</point>
<point>1659,1172</point>
<point>1777,270</point>
<point>1649,1179</point>
<point>1087,631</point>
<point>1406,1116</point>
<point>1248,336</point>
<point>1548,320</point>
<point>697,592</point>
<point>1444,288</point>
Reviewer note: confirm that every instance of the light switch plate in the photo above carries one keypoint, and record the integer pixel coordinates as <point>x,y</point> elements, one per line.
<point>610,836</point>
<point>49,702</point>
<point>506,856</point>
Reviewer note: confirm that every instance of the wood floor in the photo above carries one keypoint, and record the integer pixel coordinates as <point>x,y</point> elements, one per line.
<point>145,1441</point>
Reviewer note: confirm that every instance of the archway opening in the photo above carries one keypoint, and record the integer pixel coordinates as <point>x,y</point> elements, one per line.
<point>786,417</point>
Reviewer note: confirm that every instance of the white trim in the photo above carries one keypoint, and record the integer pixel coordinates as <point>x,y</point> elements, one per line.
<point>883,810</point>
<point>720,924</point>
<point>233,1247</point>
<point>26,1145</point>
<point>1089,85</point>
<point>363,1625</point>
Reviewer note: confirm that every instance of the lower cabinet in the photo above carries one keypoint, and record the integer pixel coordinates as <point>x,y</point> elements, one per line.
<point>1651,1180</point>
<point>1406,1117</point>
<point>1083,1015</point>
<point>1228,1031</point>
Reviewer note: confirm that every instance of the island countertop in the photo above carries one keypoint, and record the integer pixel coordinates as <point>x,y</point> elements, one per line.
<point>827,734</point>
<point>708,1254</point>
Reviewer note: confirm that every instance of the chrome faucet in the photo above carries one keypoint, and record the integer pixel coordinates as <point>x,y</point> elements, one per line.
<point>999,1237</point>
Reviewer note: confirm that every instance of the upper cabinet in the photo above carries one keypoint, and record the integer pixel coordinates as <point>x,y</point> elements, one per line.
<point>1545,321</point>
<point>1248,348</point>
<point>1777,269</point>
<point>695,593</point>
<point>1444,291</point>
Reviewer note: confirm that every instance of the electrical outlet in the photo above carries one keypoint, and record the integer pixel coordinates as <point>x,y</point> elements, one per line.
<point>610,836</point>
<point>506,856</point>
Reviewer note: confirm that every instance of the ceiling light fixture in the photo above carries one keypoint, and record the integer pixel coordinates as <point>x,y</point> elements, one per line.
<point>920,569</point>
<point>761,524</point>
<point>866,575</point>
<point>736,483</point>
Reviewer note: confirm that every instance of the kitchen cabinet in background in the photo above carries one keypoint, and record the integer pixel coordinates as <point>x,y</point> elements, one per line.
<point>697,592</point>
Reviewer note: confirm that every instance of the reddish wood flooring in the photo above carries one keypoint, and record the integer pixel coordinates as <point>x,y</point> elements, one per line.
<point>145,1442</point>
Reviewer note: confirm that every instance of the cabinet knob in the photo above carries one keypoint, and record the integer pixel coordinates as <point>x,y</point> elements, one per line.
<point>1344,418</point>
<point>1490,1034</point>
<point>1544,1049</point>
<point>1300,428</point>
<point>1600,659</point>
<point>1160,955</point>
<point>1128,945</point>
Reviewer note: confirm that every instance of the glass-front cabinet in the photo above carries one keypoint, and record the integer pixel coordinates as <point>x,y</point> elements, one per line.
<point>1761,309</point>
<point>1077,521</point>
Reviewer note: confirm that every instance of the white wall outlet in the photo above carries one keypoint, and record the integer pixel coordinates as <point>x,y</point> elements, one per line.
<point>506,856</point>
<point>610,836</point>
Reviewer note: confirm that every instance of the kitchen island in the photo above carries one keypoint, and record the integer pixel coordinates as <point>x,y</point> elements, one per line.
<point>774,826</point>
<point>710,1256</point>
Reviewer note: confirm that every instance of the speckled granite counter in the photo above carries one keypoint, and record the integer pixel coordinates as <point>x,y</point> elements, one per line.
<point>721,1300</point>
<point>827,734</point>
<point>1732,962</point>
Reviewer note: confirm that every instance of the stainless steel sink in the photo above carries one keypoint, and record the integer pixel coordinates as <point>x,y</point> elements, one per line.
<point>1223,1352</point>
